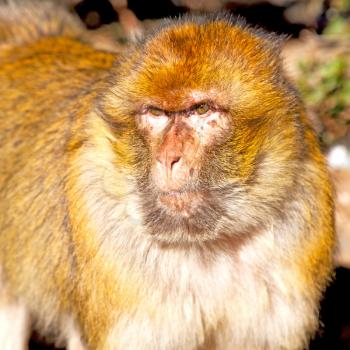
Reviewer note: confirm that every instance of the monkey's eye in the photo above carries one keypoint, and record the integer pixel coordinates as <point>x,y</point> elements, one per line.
<point>153,118</point>
<point>156,112</point>
<point>202,108</point>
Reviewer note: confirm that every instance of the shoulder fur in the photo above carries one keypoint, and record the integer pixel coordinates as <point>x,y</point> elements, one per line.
<point>23,21</point>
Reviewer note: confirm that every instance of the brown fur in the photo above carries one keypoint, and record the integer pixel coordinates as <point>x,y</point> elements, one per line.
<point>84,248</point>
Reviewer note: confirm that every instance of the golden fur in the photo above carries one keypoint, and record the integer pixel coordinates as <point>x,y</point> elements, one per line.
<point>76,256</point>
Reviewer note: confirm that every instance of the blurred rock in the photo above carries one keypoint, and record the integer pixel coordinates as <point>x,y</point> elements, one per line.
<point>341,180</point>
<point>304,12</point>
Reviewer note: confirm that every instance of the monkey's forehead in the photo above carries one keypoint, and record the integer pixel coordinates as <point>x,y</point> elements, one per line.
<point>204,50</point>
<point>213,56</point>
<point>210,34</point>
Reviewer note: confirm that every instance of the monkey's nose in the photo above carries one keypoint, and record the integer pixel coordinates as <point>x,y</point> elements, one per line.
<point>170,172</point>
<point>169,161</point>
<point>173,162</point>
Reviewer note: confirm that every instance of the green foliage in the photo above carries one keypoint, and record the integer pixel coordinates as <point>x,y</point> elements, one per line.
<point>338,26</point>
<point>326,81</point>
<point>338,19</point>
<point>325,87</point>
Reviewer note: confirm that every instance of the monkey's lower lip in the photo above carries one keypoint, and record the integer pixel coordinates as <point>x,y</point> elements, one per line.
<point>181,202</point>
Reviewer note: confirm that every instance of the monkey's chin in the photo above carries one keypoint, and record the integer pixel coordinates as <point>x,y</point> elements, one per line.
<point>181,203</point>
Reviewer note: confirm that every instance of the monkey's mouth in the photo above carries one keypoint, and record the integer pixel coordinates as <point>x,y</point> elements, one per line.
<point>181,202</point>
<point>189,215</point>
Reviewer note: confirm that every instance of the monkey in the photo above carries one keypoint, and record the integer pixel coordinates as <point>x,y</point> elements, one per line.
<point>171,196</point>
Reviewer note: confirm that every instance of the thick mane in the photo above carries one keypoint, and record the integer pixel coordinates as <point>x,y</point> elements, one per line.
<point>23,21</point>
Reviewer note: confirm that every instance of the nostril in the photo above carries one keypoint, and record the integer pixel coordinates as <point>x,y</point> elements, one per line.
<point>167,162</point>
<point>174,161</point>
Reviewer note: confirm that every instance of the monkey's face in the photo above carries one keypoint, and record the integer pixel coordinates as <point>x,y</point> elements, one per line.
<point>175,194</point>
<point>178,142</point>
<point>194,108</point>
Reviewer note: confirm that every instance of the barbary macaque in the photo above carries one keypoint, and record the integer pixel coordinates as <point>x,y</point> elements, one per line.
<point>170,197</point>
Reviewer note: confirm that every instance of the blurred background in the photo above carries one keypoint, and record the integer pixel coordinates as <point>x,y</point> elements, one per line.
<point>316,56</point>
